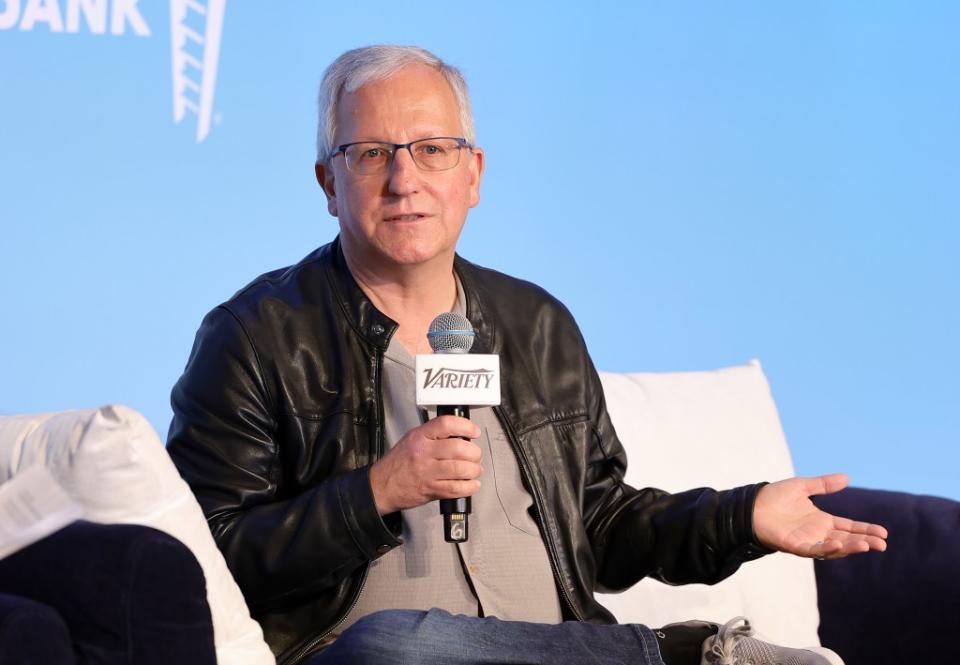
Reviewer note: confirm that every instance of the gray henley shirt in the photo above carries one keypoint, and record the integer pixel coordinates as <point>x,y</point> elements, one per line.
<point>503,569</point>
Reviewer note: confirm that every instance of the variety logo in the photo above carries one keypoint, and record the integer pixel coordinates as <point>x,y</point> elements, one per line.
<point>472,379</point>
<point>196,27</point>
<point>446,377</point>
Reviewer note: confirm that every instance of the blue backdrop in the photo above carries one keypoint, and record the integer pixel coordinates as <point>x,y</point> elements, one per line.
<point>701,183</point>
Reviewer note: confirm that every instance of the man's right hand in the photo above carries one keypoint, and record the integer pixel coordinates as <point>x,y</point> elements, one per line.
<point>430,462</point>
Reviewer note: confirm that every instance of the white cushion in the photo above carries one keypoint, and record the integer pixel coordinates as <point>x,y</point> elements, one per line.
<point>711,429</point>
<point>111,460</point>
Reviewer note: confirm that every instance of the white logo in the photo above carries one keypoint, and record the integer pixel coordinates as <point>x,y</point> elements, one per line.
<point>195,30</point>
<point>93,12</point>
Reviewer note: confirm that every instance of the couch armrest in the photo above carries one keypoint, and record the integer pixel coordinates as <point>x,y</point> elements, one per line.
<point>127,593</point>
<point>898,606</point>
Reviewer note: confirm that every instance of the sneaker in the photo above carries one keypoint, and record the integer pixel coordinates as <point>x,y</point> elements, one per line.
<point>735,645</point>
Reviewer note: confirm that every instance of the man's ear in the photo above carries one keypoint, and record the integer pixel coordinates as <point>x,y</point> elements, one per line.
<point>325,179</point>
<point>476,173</point>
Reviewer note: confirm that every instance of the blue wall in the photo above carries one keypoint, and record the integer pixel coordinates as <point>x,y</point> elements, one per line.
<point>701,183</point>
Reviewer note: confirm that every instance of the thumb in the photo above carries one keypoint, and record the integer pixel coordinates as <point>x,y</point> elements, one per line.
<point>827,484</point>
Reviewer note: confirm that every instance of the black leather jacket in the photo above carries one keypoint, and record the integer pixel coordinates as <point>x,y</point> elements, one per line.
<point>279,415</point>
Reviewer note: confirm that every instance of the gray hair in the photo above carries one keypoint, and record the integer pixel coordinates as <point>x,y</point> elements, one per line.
<point>360,66</point>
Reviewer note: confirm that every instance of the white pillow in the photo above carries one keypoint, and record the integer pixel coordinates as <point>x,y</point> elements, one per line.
<point>112,461</point>
<point>711,429</point>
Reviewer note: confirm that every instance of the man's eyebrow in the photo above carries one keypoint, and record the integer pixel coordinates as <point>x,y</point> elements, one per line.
<point>419,136</point>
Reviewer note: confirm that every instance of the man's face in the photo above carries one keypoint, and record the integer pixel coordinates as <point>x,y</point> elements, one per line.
<point>404,216</point>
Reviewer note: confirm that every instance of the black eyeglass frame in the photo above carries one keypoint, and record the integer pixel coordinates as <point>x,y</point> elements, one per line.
<point>393,147</point>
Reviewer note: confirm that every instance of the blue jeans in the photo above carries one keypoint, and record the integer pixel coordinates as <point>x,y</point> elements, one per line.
<point>414,637</point>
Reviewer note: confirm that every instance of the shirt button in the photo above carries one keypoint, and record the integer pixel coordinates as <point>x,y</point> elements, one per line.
<point>377,329</point>
<point>472,569</point>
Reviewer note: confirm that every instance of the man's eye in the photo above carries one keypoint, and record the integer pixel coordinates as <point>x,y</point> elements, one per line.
<point>431,149</point>
<point>372,153</point>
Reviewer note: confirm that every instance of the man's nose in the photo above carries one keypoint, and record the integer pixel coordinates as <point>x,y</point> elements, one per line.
<point>404,173</point>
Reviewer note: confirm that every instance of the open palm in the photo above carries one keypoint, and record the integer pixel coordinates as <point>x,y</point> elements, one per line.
<point>785,519</point>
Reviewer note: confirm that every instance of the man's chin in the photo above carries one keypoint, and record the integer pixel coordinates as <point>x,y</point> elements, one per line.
<point>412,249</point>
<point>410,257</point>
<point>403,250</point>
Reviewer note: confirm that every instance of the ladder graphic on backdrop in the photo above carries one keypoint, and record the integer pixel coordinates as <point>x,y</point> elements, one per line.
<point>195,29</point>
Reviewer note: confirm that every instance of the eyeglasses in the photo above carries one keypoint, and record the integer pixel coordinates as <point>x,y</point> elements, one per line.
<point>439,153</point>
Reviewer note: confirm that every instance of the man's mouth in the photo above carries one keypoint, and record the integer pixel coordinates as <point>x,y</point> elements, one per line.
<point>412,217</point>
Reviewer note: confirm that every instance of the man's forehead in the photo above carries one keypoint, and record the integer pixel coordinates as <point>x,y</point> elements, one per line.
<point>416,98</point>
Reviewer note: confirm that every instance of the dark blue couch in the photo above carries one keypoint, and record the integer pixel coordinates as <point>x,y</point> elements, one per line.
<point>901,606</point>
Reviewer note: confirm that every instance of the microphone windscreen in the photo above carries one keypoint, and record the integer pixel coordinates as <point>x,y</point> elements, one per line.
<point>451,333</point>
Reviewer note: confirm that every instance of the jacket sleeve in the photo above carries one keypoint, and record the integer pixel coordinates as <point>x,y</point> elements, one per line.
<point>224,441</point>
<point>697,536</point>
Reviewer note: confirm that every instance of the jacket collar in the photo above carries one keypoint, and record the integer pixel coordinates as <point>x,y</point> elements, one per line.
<point>483,325</point>
<point>369,322</point>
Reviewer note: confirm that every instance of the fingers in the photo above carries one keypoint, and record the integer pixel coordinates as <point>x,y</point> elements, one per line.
<point>448,427</point>
<point>867,537</point>
<point>840,544</point>
<point>455,449</point>
<point>449,479</point>
<point>445,439</point>
<point>825,549</point>
<point>864,528</point>
<point>838,549</point>
<point>457,470</point>
<point>875,543</point>
<point>454,489</point>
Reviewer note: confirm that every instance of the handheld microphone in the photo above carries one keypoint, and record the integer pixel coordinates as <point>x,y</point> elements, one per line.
<point>452,379</point>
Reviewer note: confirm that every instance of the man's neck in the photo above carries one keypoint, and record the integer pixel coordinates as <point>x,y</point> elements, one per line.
<point>410,295</point>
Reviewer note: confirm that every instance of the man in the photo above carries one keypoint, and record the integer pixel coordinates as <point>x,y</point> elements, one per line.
<point>295,425</point>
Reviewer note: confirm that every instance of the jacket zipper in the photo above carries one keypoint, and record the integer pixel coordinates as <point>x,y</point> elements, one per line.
<point>296,658</point>
<point>378,453</point>
<point>538,500</point>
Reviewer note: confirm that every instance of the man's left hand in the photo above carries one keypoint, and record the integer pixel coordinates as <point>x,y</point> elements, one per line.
<point>785,519</point>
